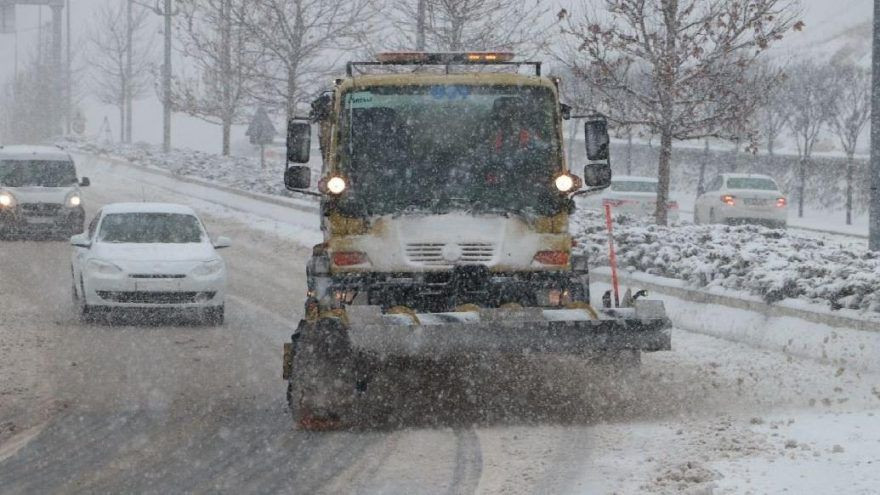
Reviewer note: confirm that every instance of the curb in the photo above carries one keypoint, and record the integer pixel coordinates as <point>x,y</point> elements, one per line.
<point>754,305</point>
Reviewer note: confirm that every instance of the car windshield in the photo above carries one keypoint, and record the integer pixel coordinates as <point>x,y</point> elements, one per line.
<point>444,147</point>
<point>752,183</point>
<point>41,173</point>
<point>174,228</point>
<point>634,186</point>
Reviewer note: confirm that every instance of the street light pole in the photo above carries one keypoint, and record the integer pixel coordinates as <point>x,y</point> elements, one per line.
<point>166,81</point>
<point>874,210</point>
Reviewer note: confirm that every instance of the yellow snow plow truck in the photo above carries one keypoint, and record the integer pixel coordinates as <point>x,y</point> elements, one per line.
<point>445,203</point>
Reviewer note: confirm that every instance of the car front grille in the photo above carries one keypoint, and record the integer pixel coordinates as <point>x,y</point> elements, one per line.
<point>144,297</point>
<point>41,209</point>
<point>431,253</point>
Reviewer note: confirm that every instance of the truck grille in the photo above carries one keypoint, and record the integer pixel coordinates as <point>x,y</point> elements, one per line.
<point>41,209</point>
<point>431,253</point>
<point>143,297</point>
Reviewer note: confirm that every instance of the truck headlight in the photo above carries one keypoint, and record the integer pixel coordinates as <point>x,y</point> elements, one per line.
<point>104,267</point>
<point>336,185</point>
<point>74,200</point>
<point>208,268</point>
<point>6,199</point>
<point>564,183</point>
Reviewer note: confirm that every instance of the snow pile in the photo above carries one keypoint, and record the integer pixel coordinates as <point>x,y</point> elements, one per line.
<point>769,263</point>
<point>235,171</point>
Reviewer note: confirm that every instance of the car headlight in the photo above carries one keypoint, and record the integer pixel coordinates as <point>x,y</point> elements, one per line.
<point>208,268</point>
<point>74,200</point>
<point>6,199</point>
<point>104,267</point>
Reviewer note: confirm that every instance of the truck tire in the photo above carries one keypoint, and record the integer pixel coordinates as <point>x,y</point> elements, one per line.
<point>323,385</point>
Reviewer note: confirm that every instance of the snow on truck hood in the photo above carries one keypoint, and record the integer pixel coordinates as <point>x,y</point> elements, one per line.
<point>170,253</point>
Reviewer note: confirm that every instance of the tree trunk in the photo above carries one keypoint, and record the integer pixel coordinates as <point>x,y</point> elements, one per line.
<point>262,156</point>
<point>226,69</point>
<point>122,121</point>
<point>802,185</point>
<point>849,187</point>
<point>701,180</point>
<point>227,126</point>
<point>629,151</point>
<point>663,175</point>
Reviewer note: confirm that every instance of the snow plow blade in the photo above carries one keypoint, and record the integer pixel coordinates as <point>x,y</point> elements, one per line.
<point>643,327</point>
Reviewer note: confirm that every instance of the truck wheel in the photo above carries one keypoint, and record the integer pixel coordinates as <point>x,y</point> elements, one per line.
<point>323,386</point>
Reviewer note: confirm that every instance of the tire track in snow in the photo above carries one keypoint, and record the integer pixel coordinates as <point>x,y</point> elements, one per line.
<point>468,463</point>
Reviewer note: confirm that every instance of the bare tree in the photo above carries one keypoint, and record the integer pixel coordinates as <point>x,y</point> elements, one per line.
<point>810,96</point>
<point>109,43</point>
<point>850,114</point>
<point>302,39</point>
<point>696,55</point>
<point>226,62</point>
<point>458,25</point>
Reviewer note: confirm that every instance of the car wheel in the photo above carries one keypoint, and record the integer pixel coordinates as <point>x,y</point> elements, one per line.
<point>215,316</point>
<point>85,311</point>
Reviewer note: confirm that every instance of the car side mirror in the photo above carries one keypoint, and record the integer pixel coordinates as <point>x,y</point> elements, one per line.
<point>80,240</point>
<point>597,175</point>
<point>597,139</point>
<point>85,182</point>
<point>299,137</point>
<point>297,177</point>
<point>222,242</point>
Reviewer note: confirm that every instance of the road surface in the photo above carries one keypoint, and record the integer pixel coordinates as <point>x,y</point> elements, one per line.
<point>165,406</point>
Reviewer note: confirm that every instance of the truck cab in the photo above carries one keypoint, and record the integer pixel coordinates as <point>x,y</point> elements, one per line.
<point>444,189</point>
<point>40,192</point>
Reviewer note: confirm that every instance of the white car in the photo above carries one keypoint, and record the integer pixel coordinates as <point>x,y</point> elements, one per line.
<point>634,196</point>
<point>742,198</point>
<point>39,191</point>
<point>148,255</point>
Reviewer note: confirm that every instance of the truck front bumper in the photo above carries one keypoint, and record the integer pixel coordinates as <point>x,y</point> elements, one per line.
<point>505,331</point>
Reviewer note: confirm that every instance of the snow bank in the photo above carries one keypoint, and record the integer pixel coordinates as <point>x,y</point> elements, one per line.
<point>773,264</point>
<point>243,173</point>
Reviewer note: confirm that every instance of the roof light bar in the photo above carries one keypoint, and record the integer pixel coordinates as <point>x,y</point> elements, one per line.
<point>444,57</point>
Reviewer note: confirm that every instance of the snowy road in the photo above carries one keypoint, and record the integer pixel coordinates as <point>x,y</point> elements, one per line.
<point>183,408</point>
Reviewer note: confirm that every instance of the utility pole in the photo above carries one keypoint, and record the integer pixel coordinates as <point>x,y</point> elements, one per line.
<point>166,80</point>
<point>127,87</point>
<point>68,84</point>
<point>421,18</point>
<point>874,210</point>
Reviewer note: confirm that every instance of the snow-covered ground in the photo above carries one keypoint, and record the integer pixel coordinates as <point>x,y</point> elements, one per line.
<point>771,263</point>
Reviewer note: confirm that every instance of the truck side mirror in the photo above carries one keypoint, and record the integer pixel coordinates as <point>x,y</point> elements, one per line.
<point>297,177</point>
<point>597,175</point>
<point>299,137</point>
<point>85,182</point>
<point>597,139</point>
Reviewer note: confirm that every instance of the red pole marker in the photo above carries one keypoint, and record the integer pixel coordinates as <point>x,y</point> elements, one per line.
<point>612,257</point>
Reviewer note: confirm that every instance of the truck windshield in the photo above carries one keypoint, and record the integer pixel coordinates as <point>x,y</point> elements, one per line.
<point>447,147</point>
<point>43,173</point>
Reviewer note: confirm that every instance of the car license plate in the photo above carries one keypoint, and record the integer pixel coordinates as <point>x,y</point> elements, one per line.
<point>158,285</point>
<point>755,202</point>
<point>40,220</point>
